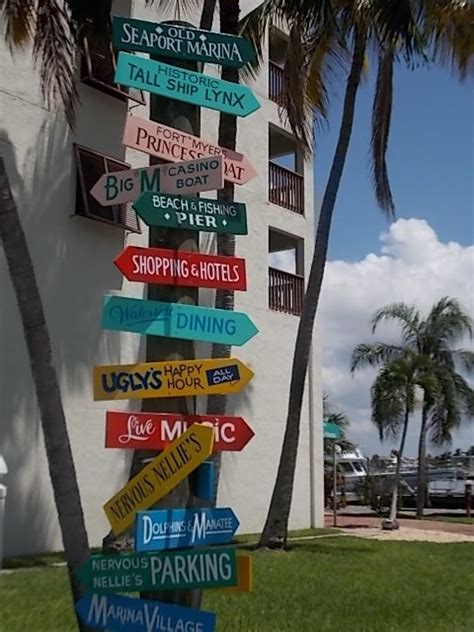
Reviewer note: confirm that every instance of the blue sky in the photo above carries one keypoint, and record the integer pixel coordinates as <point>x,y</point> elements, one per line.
<point>430,162</point>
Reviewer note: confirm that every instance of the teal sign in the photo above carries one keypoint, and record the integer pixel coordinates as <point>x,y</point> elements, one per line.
<point>192,213</point>
<point>184,85</point>
<point>172,40</point>
<point>331,431</point>
<point>176,570</point>
<point>177,320</point>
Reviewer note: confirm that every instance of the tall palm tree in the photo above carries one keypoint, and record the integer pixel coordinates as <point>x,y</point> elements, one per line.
<point>447,397</point>
<point>321,35</point>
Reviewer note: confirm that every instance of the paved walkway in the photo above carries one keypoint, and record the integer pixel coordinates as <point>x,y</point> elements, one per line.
<point>361,522</point>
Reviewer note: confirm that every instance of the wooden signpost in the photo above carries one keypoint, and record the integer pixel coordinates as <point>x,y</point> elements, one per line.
<point>190,213</point>
<point>155,431</point>
<point>160,476</point>
<point>191,176</point>
<point>177,320</point>
<point>181,528</point>
<point>126,614</point>
<point>174,145</point>
<point>170,570</point>
<point>176,267</point>
<point>172,40</point>
<point>184,85</point>
<point>176,378</point>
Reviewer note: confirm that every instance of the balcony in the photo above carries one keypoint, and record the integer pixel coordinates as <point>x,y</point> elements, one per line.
<point>275,82</point>
<point>285,292</point>
<point>286,188</point>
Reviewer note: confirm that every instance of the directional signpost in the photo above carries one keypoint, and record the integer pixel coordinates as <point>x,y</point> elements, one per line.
<point>175,570</point>
<point>155,431</point>
<point>182,528</point>
<point>175,267</point>
<point>171,40</point>
<point>173,211</point>
<point>170,379</point>
<point>192,176</point>
<point>174,145</point>
<point>184,85</point>
<point>244,575</point>
<point>331,431</point>
<point>160,476</point>
<point>177,320</point>
<point>125,614</point>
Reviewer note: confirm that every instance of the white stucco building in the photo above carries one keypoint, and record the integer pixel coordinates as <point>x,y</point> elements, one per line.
<point>73,258</point>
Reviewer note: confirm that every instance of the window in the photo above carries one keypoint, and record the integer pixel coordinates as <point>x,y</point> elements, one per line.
<point>90,167</point>
<point>278,43</point>
<point>285,272</point>
<point>98,68</point>
<point>285,171</point>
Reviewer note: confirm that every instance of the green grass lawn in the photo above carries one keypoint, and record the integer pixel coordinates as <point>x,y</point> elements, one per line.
<point>324,585</point>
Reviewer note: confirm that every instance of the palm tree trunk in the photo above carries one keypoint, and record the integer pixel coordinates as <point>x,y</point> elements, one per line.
<point>276,526</point>
<point>216,404</point>
<point>421,477</point>
<point>396,481</point>
<point>53,420</point>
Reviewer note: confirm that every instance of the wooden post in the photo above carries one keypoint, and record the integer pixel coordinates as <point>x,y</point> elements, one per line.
<point>468,498</point>
<point>334,484</point>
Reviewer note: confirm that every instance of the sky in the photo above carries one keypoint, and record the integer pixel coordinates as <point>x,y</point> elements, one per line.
<point>425,254</point>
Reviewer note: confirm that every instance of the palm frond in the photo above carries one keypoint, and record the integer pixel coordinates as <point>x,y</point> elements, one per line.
<point>180,8</point>
<point>374,354</point>
<point>447,322</point>
<point>254,28</point>
<point>407,315</point>
<point>465,358</point>
<point>381,118</point>
<point>18,18</point>
<point>389,402</point>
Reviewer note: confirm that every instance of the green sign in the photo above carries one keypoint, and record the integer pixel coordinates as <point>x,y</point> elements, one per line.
<point>331,431</point>
<point>171,40</point>
<point>192,213</point>
<point>174,570</point>
<point>185,85</point>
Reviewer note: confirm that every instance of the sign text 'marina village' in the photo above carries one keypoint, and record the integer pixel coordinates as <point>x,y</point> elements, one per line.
<point>155,431</point>
<point>174,145</point>
<point>160,476</point>
<point>177,267</point>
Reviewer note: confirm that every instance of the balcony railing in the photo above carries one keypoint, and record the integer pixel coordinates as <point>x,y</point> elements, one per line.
<point>275,82</point>
<point>286,188</point>
<point>285,292</point>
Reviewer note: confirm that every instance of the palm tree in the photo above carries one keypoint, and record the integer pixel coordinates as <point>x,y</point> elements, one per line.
<point>321,35</point>
<point>339,419</point>
<point>428,343</point>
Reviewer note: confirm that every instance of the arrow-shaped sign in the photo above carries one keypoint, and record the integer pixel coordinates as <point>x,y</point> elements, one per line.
<point>170,379</point>
<point>125,614</point>
<point>177,320</point>
<point>174,145</point>
<point>182,528</point>
<point>171,40</point>
<point>184,85</point>
<point>155,431</point>
<point>174,570</point>
<point>244,575</point>
<point>160,476</point>
<point>190,213</point>
<point>176,267</point>
<point>192,176</point>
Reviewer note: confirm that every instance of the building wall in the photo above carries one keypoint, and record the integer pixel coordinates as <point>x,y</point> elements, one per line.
<point>73,258</point>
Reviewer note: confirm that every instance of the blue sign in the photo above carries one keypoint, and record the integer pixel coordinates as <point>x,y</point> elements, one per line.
<point>125,614</point>
<point>223,374</point>
<point>331,431</point>
<point>177,320</point>
<point>179,528</point>
<point>184,85</point>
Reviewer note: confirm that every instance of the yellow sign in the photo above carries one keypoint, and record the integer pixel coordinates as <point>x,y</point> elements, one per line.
<point>170,379</point>
<point>244,575</point>
<point>160,476</point>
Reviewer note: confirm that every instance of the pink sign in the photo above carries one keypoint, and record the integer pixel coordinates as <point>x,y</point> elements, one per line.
<point>171,144</point>
<point>119,187</point>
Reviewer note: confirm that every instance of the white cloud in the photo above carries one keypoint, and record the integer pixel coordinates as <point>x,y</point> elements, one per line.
<point>413,266</point>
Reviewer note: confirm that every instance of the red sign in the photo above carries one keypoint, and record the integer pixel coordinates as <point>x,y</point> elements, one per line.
<point>155,431</point>
<point>173,267</point>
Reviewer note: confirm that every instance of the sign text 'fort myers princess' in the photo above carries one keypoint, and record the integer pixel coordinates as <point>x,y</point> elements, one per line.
<point>160,476</point>
<point>177,267</point>
<point>171,570</point>
<point>192,176</point>
<point>170,379</point>
<point>184,85</point>
<point>177,320</point>
<point>172,40</point>
<point>155,431</point>
<point>127,614</point>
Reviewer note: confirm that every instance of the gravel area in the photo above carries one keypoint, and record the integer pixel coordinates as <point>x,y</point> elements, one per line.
<point>408,533</point>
